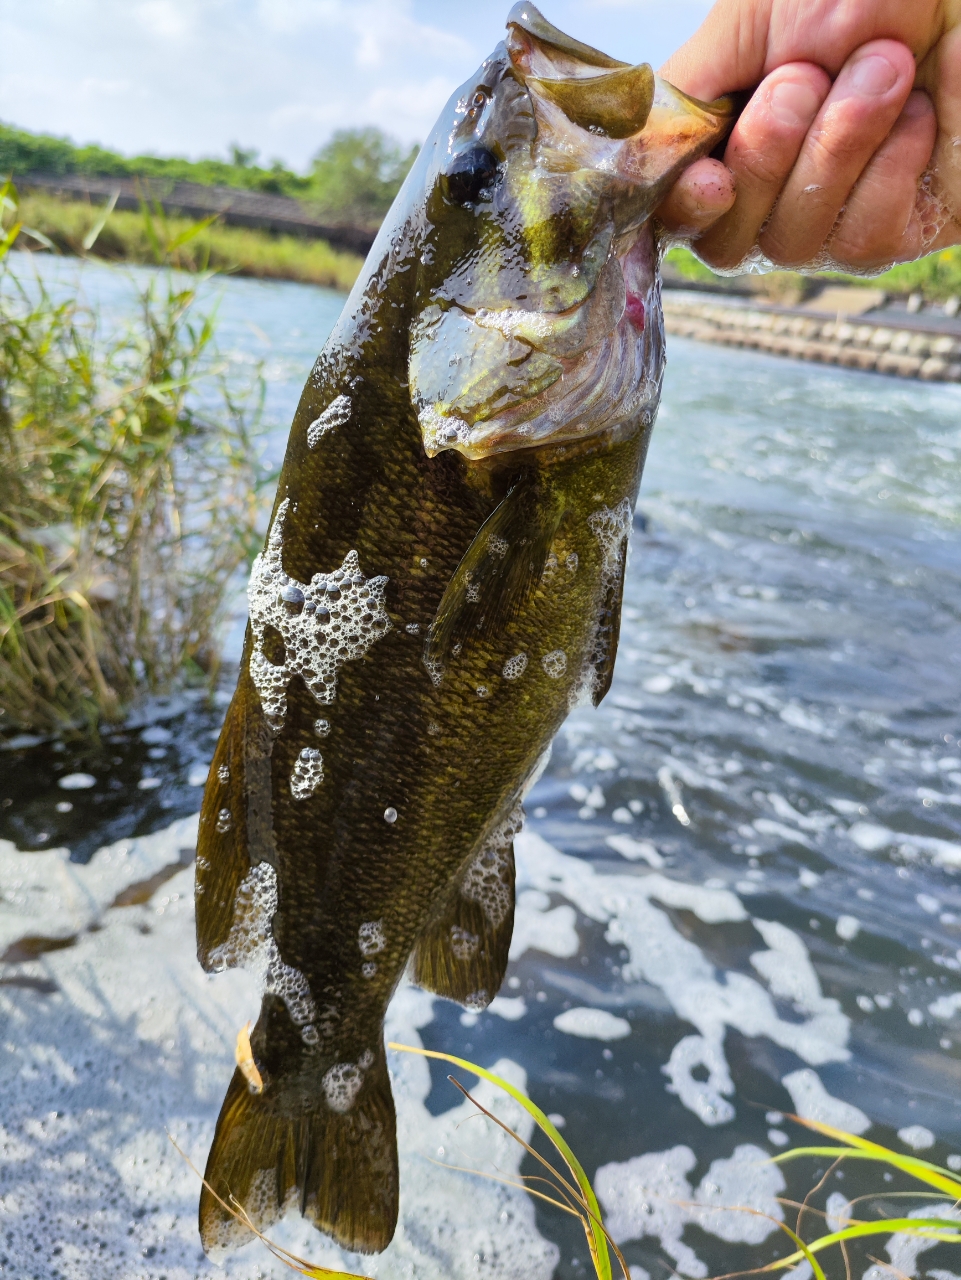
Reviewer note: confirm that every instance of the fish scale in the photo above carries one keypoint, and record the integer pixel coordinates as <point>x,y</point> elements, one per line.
<point>441,584</point>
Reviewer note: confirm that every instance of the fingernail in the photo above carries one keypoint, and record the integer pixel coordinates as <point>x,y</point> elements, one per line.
<point>792,104</point>
<point>872,76</point>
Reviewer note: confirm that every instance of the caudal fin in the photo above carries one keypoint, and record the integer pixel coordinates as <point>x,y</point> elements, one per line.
<point>291,1146</point>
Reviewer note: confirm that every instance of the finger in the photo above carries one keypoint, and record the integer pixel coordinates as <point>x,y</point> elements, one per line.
<point>700,196</point>
<point>940,74</point>
<point>881,223</point>
<point>761,152</point>
<point>861,108</point>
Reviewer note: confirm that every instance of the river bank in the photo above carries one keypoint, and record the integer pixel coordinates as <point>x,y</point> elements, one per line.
<point>855,328</point>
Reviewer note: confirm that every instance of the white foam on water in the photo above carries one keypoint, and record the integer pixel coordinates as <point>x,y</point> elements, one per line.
<point>592,1024</point>
<point>633,849</point>
<point>917,1137</point>
<point>813,1102</point>
<point>904,1250</point>
<point>45,894</point>
<point>872,837</point>
<point>510,1008</point>
<point>946,1006</point>
<point>138,1039</point>
<point>662,956</point>
<point>650,1195</point>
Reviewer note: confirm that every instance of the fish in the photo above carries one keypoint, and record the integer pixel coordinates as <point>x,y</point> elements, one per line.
<point>440,584</point>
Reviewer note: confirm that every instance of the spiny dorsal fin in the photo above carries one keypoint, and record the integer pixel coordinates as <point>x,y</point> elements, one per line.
<point>500,569</point>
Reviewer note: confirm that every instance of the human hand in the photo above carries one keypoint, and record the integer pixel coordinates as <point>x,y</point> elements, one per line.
<point>837,163</point>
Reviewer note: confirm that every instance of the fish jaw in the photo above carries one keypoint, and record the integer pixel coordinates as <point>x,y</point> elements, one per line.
<point>515,346</point>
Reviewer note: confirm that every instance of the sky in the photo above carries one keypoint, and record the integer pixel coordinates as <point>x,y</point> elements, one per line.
<point>190,77</point>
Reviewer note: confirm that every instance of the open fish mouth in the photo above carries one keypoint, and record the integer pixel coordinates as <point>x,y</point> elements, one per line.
<point>508,378</point>
<point>560,155</point>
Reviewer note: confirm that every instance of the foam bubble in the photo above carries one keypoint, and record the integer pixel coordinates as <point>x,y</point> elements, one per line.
<point>224,821</point>
<point>487,880</point>
<point>308,773</point>
<point>371,937</point>
<point>515,667</point>
<point>660,955</point>
<point>342,1084</point>
<point>651,1196</point>
<point>223,773</point>
<point>342,615</point>
<point>251,945</point>
<point>555,663</point>
<point>335,415</point>
<point>592,1024</point>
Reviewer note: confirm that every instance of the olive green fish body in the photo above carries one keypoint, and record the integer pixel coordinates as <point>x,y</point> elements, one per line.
<point>441,582</point>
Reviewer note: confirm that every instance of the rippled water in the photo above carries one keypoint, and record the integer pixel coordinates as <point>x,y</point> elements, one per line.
<point>738,885</point>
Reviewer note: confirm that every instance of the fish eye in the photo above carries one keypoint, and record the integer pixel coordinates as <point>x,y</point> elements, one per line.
<point>477,103</point>
<point>470,174</point>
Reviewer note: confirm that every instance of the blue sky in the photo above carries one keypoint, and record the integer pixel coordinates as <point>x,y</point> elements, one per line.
<point>188,77</point>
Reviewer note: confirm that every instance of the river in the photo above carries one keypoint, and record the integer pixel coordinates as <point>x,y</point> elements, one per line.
<point>738,884</point>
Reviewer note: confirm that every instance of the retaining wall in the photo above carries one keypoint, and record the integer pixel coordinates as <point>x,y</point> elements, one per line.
<point>861,343</point>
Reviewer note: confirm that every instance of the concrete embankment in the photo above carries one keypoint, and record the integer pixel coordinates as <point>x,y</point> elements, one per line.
<point>895,344</point>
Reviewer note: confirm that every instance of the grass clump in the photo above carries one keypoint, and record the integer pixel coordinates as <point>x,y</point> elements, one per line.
<point>129,497</point>
<point>76,227</point>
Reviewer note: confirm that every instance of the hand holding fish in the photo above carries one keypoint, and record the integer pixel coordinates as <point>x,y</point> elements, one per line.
<point>848,150</point>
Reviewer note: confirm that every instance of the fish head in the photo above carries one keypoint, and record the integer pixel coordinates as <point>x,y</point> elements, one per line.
<point>536,316</point>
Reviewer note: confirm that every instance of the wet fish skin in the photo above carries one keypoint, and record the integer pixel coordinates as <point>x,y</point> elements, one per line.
<point>361,806</point>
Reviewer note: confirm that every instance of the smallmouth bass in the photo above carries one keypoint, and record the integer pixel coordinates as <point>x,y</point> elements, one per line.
<point>441,583</point>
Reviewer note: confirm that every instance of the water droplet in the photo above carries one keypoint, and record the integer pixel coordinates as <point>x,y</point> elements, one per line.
<point>390,814</point>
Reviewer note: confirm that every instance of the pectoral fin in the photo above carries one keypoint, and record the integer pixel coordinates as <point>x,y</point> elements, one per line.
<point>500,569</point>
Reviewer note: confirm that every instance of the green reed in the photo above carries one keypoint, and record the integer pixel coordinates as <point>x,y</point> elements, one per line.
<point>129,496</point>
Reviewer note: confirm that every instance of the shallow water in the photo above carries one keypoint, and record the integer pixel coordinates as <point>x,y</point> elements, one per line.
<point>747,859</point>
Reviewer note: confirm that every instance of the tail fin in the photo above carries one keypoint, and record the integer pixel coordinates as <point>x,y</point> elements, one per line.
<point>288,1147</point>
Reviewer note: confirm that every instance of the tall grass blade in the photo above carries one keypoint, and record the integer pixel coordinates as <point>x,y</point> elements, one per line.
<point>593,1225</point>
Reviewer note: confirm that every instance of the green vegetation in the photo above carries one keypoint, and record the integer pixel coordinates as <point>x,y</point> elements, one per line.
<point>937,277</point>
<point>72,227</point>
<point>355,176</point>
<point>125,507</point>
<point>22,151</point>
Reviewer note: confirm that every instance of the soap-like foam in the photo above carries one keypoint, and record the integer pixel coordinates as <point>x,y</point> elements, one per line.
<point>651,1196</point>
<point>371,937</point>
<point>515,667</point>
<point>487,880</point>
<point>659,954</point>
<point>251,945</point>
<point>555,663</point>
<point>342,1084</point>
<point>335,415</point>
<point>333,619</point>
<point>308,773</point>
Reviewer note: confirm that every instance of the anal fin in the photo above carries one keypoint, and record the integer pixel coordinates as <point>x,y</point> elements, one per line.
<point>462,954</point>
